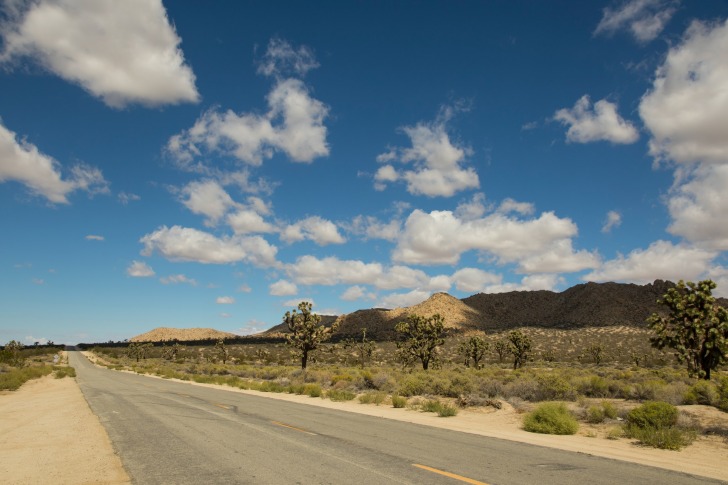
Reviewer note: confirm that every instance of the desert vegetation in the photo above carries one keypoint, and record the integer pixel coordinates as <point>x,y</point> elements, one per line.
<point>19,364</point>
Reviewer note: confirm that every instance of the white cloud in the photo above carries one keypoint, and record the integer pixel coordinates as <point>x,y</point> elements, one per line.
<point>282,59</point>
<point>177,279</point>
<point>437,163</point>
<point>139,269</point>
<point>372,228</point>
<point>126,197</point>
<point>473,280</point>
<point>225,300</point>
<point>599,122</point>
<point>528,283</point>
<point>644,19</point>
<point>283,288</point>
<point>94,237</point>
<point>661,260</point>
<point>509,205</point>
<point>207,198</point>
<point>293,303</point>
<point>30,340</point>
<point>318,230</point>
<point>357,293</point>
<point>247,221</point>
<point>540,244</point>
<point>698,204</point>
<point>23,162</point>
<point>686,110</point>
<point>614,219</point>
<point>187,244</point>
<point>122,52</point>
<point>244,289</point>
<point>293,125</point>
<point>399,300</point>
<point>310,270</point>
<point>475,208</point>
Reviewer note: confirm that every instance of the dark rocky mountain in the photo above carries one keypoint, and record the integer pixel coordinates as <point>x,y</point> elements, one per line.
<point>582,306</point>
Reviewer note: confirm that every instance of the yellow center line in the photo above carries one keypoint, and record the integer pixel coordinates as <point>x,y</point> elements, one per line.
<point>221,406</point>
<point>450,475</point>
<point>278,423</point>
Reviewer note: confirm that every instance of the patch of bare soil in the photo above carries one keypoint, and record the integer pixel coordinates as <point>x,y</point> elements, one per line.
<point>48,434</point>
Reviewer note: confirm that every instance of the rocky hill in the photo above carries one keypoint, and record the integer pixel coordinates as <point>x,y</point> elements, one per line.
<point>163,334</point>
<point>582,306</point>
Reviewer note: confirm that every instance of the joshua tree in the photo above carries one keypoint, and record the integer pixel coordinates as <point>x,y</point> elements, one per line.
<point>474,349</point>
<point>421,339</point>
<point>364,348</point>
<point>222,351</point>
<point>520,346</point>
<point>306,332</point>
<point>597,353</point>
<point>501,348</point>
<point>11,354</point>
<point>696,327</point>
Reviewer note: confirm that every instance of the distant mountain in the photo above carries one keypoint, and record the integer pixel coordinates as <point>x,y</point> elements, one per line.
<point>584,305</point>
<point>164,334</point>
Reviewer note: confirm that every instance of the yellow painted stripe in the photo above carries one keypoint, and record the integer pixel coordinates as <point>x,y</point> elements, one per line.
<point>221,406</point>
<point>278,423</point>
<point>450,475</point>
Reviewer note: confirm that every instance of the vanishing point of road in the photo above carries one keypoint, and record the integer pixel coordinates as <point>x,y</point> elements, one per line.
<point>169,432</point>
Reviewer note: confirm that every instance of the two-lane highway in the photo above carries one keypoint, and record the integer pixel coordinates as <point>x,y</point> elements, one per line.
<point>175,433</point>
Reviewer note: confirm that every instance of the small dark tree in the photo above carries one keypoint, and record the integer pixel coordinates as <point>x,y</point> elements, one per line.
<point>420,339</point>
<point>474,349</point>
<point>364,348</point>
<point>133,351</point>
<point>501,348</point>
<point>696,327</point>
<point>520,346</point>
<point>12,354</point>
<point>306,332</point>
<point>171,352</point>
<point>597,353</point>
<point>222,352</point>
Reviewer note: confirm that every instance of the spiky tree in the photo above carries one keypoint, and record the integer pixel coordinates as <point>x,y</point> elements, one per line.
<point>474,349</point>
<point>420,339</point>
<point>597,353</point>
<point>222,352</point>
<point>696,327</point>
<point>171,352</point>
<point>501,348</point>
<point>12,355</point>
<point>520,346</point>
<point>364,347</point>
<point>306,332</point>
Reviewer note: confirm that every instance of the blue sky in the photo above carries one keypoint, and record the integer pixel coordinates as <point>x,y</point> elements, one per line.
<point>173,164</point>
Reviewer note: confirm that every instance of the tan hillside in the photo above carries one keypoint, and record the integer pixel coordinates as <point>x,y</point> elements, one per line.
<point>163,334</point>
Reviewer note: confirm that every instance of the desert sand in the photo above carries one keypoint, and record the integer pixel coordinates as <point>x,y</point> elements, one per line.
<point>49,434</point>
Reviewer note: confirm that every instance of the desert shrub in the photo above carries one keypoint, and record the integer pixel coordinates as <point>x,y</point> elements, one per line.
<point>553,387</point>
<point>460,384</point>
<point>653,414</point>
<point>647,390</point>
<point>431,406</point>
<point>340,395</point>
<point>551,418</point>
<point>615,432</point>
<point>524,388</point>
<point>399,401</point>
<point>15,378</point>
<point>599,412</point>
<point>702,392</point>
<point>491,387</point>
<point>62,372</point>
<point>372,398</point>
<point>447,411</point>
<point>593,386</point>
<point>671,438</point>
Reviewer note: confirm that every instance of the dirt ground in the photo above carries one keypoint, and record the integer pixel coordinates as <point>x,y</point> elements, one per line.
<point>49,434</point>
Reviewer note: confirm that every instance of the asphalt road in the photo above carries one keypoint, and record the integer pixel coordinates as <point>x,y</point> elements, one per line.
<point>175,433</point>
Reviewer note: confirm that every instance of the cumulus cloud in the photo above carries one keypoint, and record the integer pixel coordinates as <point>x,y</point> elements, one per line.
<point>207,198</point>
<point>22,162</point>
<point>509,205</point>
<point>437,163</point>
<point>540,244</point>
<point>282,59</point>
<point>316,229</point>
<point>661,260</point>
<point>473,280</point>
<point>370,227</point>
<point>357,292</point>
<point>293,303</point>
<point>225,300</point>
<point>248,221</point>
<point>644,19</point>
<point>177,279</point>
<point>698,204</point>
<point>139,269</point>
<point>294,123</point>
<point>122,52</point>
<point>686,111</point>
<point>399,300</point>
<point>614,219</point>
<point>187,244</point>
<point>597,122</point>
<point>534,282</point>
<point>282,288</point>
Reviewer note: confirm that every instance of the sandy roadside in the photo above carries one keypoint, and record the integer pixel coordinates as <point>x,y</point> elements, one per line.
<point>48,434</point>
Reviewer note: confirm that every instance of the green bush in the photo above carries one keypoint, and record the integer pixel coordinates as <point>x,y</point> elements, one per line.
<point>599,412</point>
<point>671,438</point>
<point>372,398</point>
<point>447,411</point>
<point>61,372</point>
<point>702,392</point>
<point>12,380</point>
<point>399,401</point>
<point>653,414</point>
<point>340,395</point>
<point>551,418</point>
